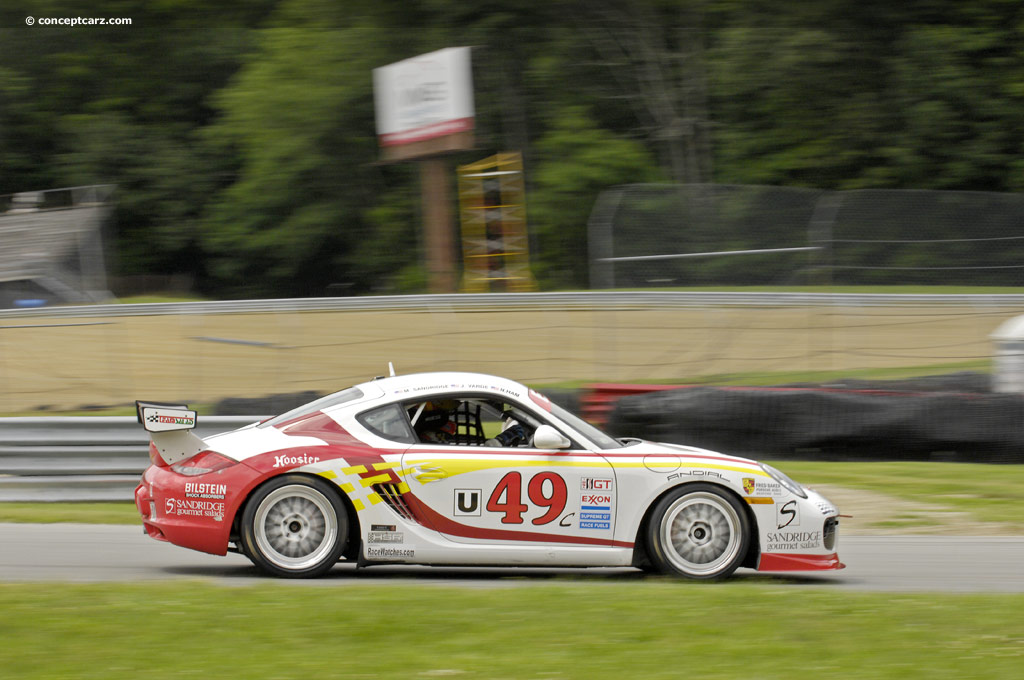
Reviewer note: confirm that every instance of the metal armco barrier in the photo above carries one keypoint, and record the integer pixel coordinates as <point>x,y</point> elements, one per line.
<point>514,301</point>
<point>81,459</point>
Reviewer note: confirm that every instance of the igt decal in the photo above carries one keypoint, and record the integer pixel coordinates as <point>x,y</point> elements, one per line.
<point>595,484</point>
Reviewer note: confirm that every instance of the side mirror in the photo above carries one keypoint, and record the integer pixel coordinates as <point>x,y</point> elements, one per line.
<point>547,437</point>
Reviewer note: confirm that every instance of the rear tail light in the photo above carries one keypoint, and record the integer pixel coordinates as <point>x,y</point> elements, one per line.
<point>203,463</point>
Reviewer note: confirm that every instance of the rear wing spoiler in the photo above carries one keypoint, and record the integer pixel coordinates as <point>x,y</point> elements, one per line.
<point>169,427</point>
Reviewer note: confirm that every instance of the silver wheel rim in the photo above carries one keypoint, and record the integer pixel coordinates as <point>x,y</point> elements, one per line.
<point>701,534</point>
<point>296,527</point>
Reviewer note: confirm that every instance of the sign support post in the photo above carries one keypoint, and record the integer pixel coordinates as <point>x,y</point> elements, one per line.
<point>424,109</point>
<point>437,225</point>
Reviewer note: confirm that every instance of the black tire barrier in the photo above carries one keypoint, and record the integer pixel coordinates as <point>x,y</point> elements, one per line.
<point>830,424</point>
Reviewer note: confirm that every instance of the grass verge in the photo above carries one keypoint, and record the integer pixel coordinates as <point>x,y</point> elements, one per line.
<point>85,513</point>
<point>986,493</point>
<point>653,629</point>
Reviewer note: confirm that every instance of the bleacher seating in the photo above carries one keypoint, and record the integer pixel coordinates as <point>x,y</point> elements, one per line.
<point>51,242</point>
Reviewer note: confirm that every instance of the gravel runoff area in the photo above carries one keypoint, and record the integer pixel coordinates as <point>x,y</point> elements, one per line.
<point>877,514</point>
<point>68,363</point>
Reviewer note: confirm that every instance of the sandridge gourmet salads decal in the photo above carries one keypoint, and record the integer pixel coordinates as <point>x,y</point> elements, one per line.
<point>192,507</point>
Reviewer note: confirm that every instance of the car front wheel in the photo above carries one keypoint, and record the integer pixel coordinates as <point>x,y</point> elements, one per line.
<point>699,532</point>
<point>295,527</point>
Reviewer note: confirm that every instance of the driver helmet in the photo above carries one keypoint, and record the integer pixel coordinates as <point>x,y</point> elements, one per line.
<point>437,421</point>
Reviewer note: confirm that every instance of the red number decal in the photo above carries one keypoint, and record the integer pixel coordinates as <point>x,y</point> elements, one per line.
<point>555,502</point>
<point>507,496</point>
<point>510,486</point>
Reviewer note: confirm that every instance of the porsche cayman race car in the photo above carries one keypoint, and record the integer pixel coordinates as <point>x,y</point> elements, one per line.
<point>468,469</point>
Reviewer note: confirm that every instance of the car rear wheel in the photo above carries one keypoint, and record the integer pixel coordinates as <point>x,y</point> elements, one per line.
<point>295,526</point>
<point>698,531</point>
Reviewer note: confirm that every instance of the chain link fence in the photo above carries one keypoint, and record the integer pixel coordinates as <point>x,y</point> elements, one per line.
<point>651,235</point>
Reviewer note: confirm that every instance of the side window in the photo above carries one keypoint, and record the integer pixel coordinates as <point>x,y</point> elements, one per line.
<point>472,420</point>
<point>388,422</point>
<point>448,421</point>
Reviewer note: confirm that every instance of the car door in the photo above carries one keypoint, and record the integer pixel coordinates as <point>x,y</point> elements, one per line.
<point>484,494</point>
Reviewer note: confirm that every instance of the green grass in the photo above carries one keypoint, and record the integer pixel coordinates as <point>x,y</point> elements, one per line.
<point>987,493</point>
<point>887,290</point>
<point>85,513</point>
<point>605,629</point>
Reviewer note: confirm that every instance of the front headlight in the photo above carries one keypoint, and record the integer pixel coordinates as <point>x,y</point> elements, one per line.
<point>787,483</point>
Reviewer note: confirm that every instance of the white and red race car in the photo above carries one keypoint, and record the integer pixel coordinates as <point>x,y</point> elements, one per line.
<point>468,469</point>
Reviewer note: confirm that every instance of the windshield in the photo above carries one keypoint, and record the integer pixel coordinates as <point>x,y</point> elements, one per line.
<point>595,435</point>
<point>351,394</point>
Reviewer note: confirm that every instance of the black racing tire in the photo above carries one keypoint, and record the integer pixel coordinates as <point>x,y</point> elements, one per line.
<point>698,531</point>
<point>295,526</point>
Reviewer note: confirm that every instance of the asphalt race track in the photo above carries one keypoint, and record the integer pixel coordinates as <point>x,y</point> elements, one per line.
<point>85,553</point>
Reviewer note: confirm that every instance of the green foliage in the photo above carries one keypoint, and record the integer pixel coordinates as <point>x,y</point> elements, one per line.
<point>576,161</point>
<point>242,137</point>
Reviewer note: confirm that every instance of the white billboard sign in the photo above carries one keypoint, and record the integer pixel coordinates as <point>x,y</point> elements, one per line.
<point>424,97</point>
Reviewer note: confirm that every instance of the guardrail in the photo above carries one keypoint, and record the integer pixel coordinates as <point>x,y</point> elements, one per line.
<point>91,458</point>
<point>508,301</point>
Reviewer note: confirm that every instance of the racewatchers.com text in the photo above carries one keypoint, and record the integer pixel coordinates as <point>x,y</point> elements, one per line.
<point>79,21</point>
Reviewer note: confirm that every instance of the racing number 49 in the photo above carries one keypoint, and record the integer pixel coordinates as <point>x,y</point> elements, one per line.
<point>545,489</point>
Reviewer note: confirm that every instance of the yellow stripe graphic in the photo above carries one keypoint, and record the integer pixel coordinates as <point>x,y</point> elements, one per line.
<point>385,466</point>
<point>376,479</point>
<point>354,470</point>
<point>458,466</point>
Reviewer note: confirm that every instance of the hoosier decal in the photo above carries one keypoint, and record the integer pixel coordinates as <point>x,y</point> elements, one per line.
<point>288,461</point>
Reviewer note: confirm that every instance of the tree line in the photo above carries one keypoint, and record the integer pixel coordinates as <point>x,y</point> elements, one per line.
<point>241,135</point>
